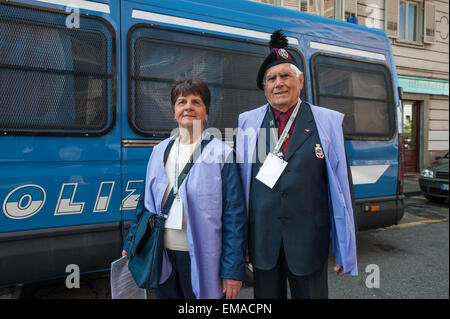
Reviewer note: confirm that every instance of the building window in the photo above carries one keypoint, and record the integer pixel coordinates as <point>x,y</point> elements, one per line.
<point>411,21</point>
<point>325,8</point>
<point>408,21</point>
<point>272,2</point>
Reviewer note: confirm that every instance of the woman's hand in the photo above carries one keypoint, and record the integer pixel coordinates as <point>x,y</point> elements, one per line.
<point>124,253</point>
<point>231,288</point>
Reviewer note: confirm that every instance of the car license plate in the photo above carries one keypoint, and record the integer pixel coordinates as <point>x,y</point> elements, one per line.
<point>444,187</point>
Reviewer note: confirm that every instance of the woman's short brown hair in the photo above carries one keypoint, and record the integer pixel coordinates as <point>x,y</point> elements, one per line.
<point>191,86</point>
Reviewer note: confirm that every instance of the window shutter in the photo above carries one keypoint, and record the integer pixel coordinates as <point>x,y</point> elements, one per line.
<point>391,11</point>
<point>291,4</point>
<point>304,6</point>
<point>351,7</point>
<point>429,23</point>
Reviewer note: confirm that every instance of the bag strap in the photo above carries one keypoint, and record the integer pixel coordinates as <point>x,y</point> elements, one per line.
<point>170,198</point>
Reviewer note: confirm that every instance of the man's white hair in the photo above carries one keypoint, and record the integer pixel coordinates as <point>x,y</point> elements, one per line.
<point>296,70</point>
<point>293,67</point>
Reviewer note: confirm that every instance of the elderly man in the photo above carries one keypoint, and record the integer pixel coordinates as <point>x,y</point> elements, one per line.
<point>294,171</point>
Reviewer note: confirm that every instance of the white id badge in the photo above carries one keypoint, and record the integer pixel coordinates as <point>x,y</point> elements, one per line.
<point>175,218</point>
<point>271,170</point>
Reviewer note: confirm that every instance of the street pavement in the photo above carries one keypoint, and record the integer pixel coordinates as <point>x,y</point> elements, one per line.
<point>412,258</point>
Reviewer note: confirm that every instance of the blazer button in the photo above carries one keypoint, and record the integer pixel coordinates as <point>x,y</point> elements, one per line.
<point>283,194</point>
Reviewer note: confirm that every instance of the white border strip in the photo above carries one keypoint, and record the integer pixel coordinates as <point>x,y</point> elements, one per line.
<point>82,4</point>
<point>367,174</point>
<point>338,49</point>
<point>163,18</point>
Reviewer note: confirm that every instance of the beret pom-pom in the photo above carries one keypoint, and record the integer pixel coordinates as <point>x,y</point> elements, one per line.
<point>278,54</point>
<point>278,40</point>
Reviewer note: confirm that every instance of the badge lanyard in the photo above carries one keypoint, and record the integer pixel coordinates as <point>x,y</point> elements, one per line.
<point>206,139</point>
<point>274,164</point>
<point>281,140</point>
<point>175,181</point>
<point>175,217</point>
<point>177,154</point>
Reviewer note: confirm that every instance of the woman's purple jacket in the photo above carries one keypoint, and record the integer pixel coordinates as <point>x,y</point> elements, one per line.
<point>214,204</point>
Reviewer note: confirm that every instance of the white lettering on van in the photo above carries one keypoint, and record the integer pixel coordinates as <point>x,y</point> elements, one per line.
<point>24,201</point>
<point>65,204</point>
<point>27,200</point>
<point>103,197</point>
<point>131,201</point>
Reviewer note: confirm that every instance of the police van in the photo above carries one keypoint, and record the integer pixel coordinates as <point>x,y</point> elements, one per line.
<point>84,97</point>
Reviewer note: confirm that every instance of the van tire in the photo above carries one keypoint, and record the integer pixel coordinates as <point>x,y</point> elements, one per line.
<point>435,199</point>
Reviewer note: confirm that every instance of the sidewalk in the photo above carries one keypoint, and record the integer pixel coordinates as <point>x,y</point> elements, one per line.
<point>411,184</point>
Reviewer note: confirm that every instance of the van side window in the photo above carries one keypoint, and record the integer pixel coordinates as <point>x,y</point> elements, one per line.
<point>159,57</point>
<point>55,79</point>
<point>360,90</point>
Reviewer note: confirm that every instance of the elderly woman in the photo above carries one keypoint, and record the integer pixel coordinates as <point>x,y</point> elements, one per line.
<point>205,240</point>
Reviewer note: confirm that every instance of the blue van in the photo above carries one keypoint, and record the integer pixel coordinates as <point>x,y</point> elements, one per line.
<point>84,97</point>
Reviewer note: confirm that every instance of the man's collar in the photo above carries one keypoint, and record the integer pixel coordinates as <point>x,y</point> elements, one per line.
<point>276,113</point>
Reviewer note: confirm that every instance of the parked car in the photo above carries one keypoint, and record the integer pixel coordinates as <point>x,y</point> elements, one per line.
<point>434,180</point>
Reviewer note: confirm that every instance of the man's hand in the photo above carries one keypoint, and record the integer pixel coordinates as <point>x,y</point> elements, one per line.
<point>231,288</point>
<point>339,270</point>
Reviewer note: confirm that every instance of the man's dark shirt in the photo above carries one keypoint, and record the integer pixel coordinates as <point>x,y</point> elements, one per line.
<point>281,119</point>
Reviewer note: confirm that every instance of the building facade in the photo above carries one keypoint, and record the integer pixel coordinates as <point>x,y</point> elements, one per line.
<point>419,33</point>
